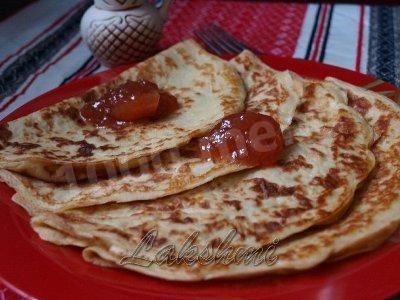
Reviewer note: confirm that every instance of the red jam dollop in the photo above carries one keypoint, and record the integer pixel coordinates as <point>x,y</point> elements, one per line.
<point>250,138</point>
<point>132,101</point>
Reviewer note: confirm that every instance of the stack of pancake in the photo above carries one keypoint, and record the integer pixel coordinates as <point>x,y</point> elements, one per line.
<point>334,192</point>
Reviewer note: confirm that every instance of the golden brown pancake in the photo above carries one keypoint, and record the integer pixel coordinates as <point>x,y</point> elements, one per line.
<point>314,183</point>
<point>53,144</point>
<point>173,171</point>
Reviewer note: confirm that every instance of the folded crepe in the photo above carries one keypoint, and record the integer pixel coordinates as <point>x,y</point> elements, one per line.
<point>173,171</point>
<point>278,92</point>
<point>53,145</point>
<point>313,183</point>
<point>373,216</point>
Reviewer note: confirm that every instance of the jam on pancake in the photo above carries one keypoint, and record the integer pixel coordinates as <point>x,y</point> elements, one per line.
<point>250,138</point>
<point>130,102</point>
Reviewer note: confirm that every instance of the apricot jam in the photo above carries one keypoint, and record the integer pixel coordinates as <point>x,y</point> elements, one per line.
<point>250,138</point>
<point>130,102</point>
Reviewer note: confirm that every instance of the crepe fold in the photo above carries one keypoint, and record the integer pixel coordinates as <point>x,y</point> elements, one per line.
<point>174,170</point>
<point>53,144</point>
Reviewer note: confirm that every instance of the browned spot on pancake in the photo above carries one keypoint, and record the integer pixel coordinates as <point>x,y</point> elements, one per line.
<point>216,225</point>
<point>245,61</point>
<point>304,201</point>
<point>345,130</point>
<point>268,189</point>
<point>274,93</point>
<point>91,133</point>
<point>382,106</point>
<point>255,75</point>
<point>331,181</point>
<point>360,104</point>
<point>289,212</point>
<point>49,154</point>
<point>177,218</point>
<point>199,84</point>
<point>141,229</point>
<point>303,107</point>
<point>5,133</point>
<point>308,249</point>
<point>214,243</point>
<point>72,218</point>
<point>159,177</point>
<point>147,70</point>
<point>309,91</point>
<point>85,149</point>
<point>295,164</point>
<point>355,163</point>
<point>321,201</point>
<point>254,91</point>
<point>184,89</point>
<point>171,204</point>
<point>47,116</point>
<point>231,77</point>
<point>240,218</point>
<point>329,95</point>
<point>226,102</point>
<point>28,123</point>
<point>62,141</point>
<point>107,147</point>
<point>269,227</point>
<point>383,124</point>
<point>36,126</point>
<point>170,62</point>
<point>159,241</point>
<point>21,147</point>
<point>115,231</point>
<point>185,55</point>
<point>204,204</point>
<point>320,153</point>
<point>235,203</point>
<point>72,113</point>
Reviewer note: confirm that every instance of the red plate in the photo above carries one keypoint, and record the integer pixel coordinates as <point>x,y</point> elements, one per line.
<point>32,267</point>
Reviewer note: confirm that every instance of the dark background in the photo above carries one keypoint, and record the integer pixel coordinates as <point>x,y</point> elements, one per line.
<point>9,7</point>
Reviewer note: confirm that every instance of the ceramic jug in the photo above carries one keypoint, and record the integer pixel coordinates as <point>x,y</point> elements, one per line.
<point>123,31</point>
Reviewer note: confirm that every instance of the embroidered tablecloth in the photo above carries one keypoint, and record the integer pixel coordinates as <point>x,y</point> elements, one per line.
<point>40,45</point>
